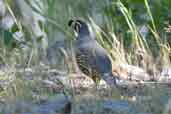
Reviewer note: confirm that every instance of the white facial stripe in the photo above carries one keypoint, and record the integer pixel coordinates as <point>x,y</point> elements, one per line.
<point>77,28</point>
<point>79,24</point>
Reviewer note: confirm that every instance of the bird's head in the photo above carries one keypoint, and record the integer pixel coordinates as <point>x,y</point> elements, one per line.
<point>79,26</point>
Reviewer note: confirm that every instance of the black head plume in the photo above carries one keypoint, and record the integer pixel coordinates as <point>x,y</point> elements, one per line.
<point>79,26</point>
<point>70,22</point>
<point>75,22</point>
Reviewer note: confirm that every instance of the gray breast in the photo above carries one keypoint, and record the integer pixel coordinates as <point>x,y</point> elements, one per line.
<point>93,56</point>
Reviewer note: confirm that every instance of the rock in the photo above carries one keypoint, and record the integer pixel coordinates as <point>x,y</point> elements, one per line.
<point>165,75</point>
<point>52,85</point>
<point>133,73</point>
<point>28,72</point>
<point>120,72</point>
<point>76,81</point>
<point>166,72</point>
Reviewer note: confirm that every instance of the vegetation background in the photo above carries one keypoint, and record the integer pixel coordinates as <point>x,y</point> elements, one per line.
<point>135,32</point>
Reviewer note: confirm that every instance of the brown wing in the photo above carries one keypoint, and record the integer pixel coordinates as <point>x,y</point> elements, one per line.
<point>84,61</point>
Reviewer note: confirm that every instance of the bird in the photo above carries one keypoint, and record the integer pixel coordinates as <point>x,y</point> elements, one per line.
<point>92,59</point>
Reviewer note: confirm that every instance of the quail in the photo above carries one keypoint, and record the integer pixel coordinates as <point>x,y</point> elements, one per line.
<point>92,59</point>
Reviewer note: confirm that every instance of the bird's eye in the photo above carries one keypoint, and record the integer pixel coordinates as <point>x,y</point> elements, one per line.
<point>70,22</point>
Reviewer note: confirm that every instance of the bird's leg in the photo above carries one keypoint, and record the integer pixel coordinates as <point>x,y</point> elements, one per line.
<point>96,80</point>
<point>110,79</point>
